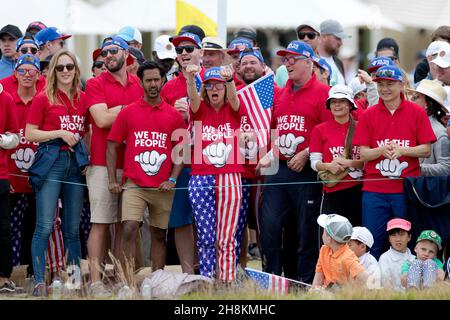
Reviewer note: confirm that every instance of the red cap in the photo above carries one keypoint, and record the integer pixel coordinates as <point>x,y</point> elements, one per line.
<point>398,223</point>
<point>96,54</point>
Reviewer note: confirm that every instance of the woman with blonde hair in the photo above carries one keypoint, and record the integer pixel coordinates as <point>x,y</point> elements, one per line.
<point>57,122</point>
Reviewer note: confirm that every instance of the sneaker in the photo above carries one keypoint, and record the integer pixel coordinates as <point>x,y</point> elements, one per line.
<point>98,290</point>
<point>8,287</point>
<point>40,290</point>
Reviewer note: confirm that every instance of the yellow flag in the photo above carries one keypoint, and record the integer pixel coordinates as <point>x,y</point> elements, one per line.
<point>200,13</point>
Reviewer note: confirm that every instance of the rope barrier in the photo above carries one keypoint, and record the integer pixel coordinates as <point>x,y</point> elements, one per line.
<point>230,186</point>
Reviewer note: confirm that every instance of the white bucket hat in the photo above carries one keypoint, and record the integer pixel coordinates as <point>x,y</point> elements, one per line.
<point>340,91</point>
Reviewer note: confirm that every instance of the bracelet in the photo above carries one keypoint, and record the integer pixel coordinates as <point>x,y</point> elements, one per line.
<point>230,80</point>
<point>173,180</point>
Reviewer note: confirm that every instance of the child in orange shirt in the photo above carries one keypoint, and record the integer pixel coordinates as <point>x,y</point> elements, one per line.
<point>337,263</point>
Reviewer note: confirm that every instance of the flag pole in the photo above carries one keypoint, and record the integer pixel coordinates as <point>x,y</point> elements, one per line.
<point>222,19</point>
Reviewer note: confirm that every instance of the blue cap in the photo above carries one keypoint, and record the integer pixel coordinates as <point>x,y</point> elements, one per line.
<point>379,62</point>
<point>21,41</point>
<point>323,64</point>
<point>129,33</point>
<point>187,36</point>
<point>298,48</point>
<point>213,74</point>
<point>389,73</point>
<point>255,52</point>
<point>116,40</point>
<point>239,44</point>
<point>50,34</point>
<point>28,59</point>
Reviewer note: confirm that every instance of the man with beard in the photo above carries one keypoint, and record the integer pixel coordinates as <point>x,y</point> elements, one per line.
<point>106,96</point>
<point>331,36</point>
<point>148,164</point>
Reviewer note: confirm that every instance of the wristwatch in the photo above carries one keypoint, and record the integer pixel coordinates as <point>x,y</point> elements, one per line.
<point>173,180</point>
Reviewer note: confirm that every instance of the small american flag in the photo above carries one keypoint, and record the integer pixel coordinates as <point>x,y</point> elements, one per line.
<point>198,82</point>
<point>258,101</point>
<point>269,282</point>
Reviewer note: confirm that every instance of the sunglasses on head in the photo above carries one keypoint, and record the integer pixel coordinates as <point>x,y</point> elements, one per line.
<point>113,51</point>
<point>31,72</point>
<point>310,34</point>
<point>69,67</point>
<point>189,49</point>
<point>98,64</point>
<point>25,50</point>
<point>218,86</point>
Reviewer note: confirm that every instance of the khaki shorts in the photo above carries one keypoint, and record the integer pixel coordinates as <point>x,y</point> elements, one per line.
<point>104,204</point>
<point>135,200</point>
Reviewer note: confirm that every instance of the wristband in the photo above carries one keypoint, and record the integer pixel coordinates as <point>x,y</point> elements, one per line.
<point>230,80</point>
<point>173,180</point>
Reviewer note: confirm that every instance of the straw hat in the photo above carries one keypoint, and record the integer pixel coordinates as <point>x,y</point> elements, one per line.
<point>434,90</point>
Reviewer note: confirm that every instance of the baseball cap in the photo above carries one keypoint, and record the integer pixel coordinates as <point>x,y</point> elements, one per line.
<point>28,59</point>
<point>50,34</point>
<point>310,24</point>
<point>434,90</point>
<point>96,53</point>
<point>435,47</point>
<point>36,25</point>
<point>192,28</point>
<point>341,91</point>
<point>164,48</point>
<point>11,30</point>
<point>129,33</point>
<point>356,85</point>
<point>398,223</point>
<point>379,62</point>
<point>337,226</point>
<point>22,40</point>
<point>388,43</point>
<point>333,27</point>
<point>430,235</point>
<point>252,52</point>
<point>213,43</point>
<point>247,33</point>
<point>116,40</point>
<point>298,48</point>
<point>191,37</point>
<point>46,62</point>
<point>239,44</point>
<point>443,56</point>
<point>364,235</point>
<point>137,54</point>
<point>213,74</point>
<point>323,64</point>
<point>389,73</point>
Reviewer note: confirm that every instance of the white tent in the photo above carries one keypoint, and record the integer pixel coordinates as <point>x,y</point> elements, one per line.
<point>70,16</point>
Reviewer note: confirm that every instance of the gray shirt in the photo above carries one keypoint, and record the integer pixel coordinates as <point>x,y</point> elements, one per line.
<point>438,164</point>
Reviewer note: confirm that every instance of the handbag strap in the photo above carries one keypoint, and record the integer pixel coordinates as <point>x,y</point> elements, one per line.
<point>349,139</point>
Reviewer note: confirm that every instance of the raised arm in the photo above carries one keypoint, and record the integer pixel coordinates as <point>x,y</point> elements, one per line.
<point>194,98</point>
<point>227,73</point>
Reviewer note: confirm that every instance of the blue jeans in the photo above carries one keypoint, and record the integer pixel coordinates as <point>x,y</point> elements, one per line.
<point>378,209</point>
<point>65,168</point>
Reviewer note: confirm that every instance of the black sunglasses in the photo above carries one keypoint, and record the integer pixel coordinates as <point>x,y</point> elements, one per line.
<point>98,64</point>
<point>189,49</point>
<point>69,67</point>
<point>25,50</point>
<point>113,51</point>
<point>311,35</point>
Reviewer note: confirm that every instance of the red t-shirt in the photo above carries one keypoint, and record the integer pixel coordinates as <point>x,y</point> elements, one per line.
<point>11,84</point>
<point>409,126</point>
<point>106,89</point>
<point>65,115</point>
<point>21,158</point>
<point>148,144</point>
<point>176,88</point>
<point>295,114</point>
<point>216,140</point>
<point>328,138</point>
<point>8,123</point>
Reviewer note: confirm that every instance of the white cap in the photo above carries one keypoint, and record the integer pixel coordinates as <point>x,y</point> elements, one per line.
<point>164,48</point>
<point>129,33</point>
<point>443,56</point>
<point>435,47</point>
<point>337,226</point>
<point>213,43</point>
<point>364,235</point>
<point>341,91</point>
<point>356,85</point>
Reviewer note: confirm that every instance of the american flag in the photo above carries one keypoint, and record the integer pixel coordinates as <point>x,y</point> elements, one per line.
<point>258,100</point>
<point>269,282</point>
<point>198,82</point>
